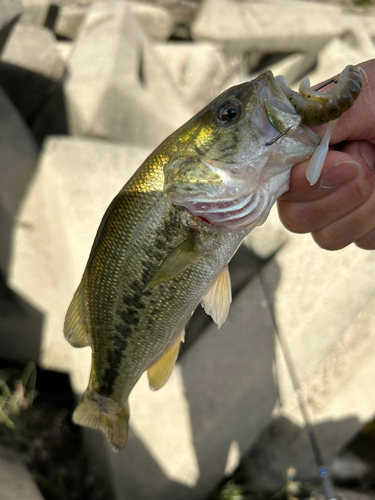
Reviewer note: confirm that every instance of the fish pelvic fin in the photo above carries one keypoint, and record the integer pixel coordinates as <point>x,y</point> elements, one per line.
<point>218,297</point>
<point>177,261</point>
<point>75,330</point>
<point>101,412</point>
<point>160,372</point>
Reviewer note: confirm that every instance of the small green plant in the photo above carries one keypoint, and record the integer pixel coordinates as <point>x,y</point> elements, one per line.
<point>230,491</point>
<point>17,393</point>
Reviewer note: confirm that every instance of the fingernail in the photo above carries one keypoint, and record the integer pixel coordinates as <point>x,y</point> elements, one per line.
<point>340,173</point>
<point>367,153</point>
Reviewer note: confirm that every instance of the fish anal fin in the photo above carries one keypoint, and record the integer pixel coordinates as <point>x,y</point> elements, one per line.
<point>159,373</point>
<point>101,412</point>
<point>75,330</point>
<point>177,261</point>
<point>218,297</point>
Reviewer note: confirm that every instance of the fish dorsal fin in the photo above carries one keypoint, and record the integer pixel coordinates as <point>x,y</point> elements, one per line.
<point>218,297</point>
<point>177,261</point>
<point>160,372</point>
<point>75,330</point>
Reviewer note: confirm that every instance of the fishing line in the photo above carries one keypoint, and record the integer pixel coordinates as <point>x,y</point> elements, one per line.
<point>326,481</point>
<point>332,80</point>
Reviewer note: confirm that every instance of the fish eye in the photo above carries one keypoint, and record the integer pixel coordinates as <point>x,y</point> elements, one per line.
<point>229,111</point>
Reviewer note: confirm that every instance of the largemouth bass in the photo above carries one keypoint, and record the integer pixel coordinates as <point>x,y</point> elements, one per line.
<point>165,241</point>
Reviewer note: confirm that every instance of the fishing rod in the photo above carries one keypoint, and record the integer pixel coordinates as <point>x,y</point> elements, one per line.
<point>326,481</point>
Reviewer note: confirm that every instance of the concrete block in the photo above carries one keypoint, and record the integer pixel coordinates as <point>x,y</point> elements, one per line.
<point>267,239</point>
<point>64,51</point>
<point>197,69</point>
<point>18,156</point>
<point>183,14</point>
<point>293,67</point>
<point>16,481</point>
<point>325,311</point>
<point>266,27</point>
<point>36,12</point>
<point>32,48</point>
<point>75,182</point>
<point>109,89</point>
<point>69,19</point>
<point>29,68</point>
<point>355,47</point>
<point>155,20</point>
<point>317,297</point>
<point>340,399</point>
<point>10,11</point>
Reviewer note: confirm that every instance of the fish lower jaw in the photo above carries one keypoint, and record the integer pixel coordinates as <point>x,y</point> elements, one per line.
<point>245,212</point>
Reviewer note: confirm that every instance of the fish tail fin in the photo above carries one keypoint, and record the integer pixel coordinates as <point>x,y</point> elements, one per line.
<point>101,412</point>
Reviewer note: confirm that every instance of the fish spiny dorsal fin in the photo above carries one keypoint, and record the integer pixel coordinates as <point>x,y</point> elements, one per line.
<point>218,297</point>
<point>177,261</point>
<point>74,327</point>
<point>160,372</point>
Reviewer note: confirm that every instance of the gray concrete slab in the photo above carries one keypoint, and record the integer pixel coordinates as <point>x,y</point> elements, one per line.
<point>36,11</point>
<point>10,11</point>
<point>268,27</point>
<point>32,48</point>
<point>16,481</point>
<point>18,156</point>
<point>199,70</point>
<point>155,20</point>
<point>115,87</point>
<point>69,19</point>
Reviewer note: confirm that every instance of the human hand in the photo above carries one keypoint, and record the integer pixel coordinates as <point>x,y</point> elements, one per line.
<point>340,208</point>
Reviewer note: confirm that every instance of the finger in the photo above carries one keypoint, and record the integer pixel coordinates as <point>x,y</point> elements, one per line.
<point>367,242</point>
<point>310,216</point>
<point>342,169</point>
<point>355,226</point>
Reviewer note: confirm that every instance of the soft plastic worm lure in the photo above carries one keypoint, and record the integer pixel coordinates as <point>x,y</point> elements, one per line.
<point>318,108</point>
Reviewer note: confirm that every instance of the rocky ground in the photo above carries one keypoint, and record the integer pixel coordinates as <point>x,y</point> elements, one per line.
<point>87,89</point>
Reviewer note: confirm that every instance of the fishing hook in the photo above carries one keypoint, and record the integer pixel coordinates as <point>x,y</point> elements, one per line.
<point>284,132</point>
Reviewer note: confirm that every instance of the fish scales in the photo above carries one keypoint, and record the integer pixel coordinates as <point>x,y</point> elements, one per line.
<point>165,241</point>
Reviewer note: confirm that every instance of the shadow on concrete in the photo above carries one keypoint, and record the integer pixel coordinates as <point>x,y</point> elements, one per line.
<point>241,384</point>
<point>282,445</point>
<point>20,326</point>
<point>27,90</point>
<point>20,322</point>
<point>52,118</point>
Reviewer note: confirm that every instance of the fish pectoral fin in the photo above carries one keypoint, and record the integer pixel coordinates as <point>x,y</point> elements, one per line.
<point>160,372</point>
<point>74,327</point>
<point>177,261</point>
<point>218,297</point>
